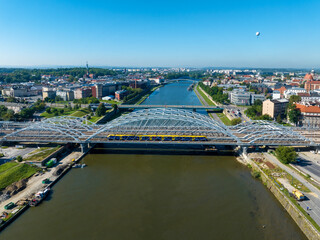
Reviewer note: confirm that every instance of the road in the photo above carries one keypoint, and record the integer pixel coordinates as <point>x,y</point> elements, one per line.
<point>309,164</point>
<point>234,109</point>
<point>313,197</point>
<point>12,152</point>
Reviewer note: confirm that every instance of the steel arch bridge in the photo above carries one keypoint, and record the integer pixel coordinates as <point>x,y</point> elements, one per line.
<point>153,122</point>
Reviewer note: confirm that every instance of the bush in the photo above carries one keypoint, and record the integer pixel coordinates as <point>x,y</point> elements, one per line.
<point>255,174</point>
<point>235,121</point>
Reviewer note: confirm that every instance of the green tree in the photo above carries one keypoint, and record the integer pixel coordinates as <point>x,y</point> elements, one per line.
<point>286,154</point>
<point>235,121</point>
<point>279,118</point>
<point>115,107</point>
<point>101,110</point>
<point>19,158</point>
<point>294,115</point>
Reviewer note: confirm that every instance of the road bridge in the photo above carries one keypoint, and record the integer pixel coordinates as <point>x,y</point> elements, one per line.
<point>154,126</point>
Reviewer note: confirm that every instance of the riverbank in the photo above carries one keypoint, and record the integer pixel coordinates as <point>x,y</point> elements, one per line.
<point>35,184</point>
<point>206,101</point>
<point>308,226</point>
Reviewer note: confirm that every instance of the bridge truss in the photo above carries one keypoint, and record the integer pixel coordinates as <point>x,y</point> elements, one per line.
<point>161,121</point>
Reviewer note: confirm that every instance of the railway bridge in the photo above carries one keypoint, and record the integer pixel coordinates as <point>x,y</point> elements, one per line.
<point>154,126</point>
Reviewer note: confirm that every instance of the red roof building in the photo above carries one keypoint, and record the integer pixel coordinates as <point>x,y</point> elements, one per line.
<point>308,77</point>
<point>312,85</point>
<point>310,114</point>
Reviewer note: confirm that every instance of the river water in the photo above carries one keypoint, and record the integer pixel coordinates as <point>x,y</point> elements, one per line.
<point>125,195</point>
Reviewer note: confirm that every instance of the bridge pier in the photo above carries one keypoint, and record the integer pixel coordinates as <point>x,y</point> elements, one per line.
<point>84,147</point>
<point>244,151</point>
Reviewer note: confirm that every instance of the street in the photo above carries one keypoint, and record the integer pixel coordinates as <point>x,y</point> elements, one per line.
<point>309,164</point>
<point>313,197</point>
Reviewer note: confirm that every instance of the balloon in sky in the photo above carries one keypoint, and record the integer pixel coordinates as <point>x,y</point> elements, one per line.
<point>257,34</point>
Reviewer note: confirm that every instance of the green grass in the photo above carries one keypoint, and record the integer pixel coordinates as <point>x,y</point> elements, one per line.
<point>111,101</point>
<point>66,112</point>
<point>95,119</point>
<point>210,103</point>
<point>40,154</point>
<point>6,166</point>
<point>80,113</point>
<point>16,173</point>
<point>224,119</point>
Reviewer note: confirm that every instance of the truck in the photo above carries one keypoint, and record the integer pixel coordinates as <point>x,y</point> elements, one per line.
<point>9,206</point>
<point>298,195</point>
<point>51,162</point>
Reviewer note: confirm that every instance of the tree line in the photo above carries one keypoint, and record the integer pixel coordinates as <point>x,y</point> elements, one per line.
<point>216,93</point>
<point>15,75</point>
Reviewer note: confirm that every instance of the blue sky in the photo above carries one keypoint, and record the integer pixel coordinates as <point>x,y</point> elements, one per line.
<point>160,33</point>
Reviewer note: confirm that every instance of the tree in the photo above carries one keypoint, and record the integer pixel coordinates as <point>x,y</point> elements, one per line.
<point>294,115</point>
<point>101,110</point>
<point>286,154</point>
<point>115,107</point>
<point>19,158</point>
<point>279,118</point>
<point>294,99</point>
<point>235,121</point>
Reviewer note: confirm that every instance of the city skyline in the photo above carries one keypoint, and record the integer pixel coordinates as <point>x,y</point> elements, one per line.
<point>173,34</point>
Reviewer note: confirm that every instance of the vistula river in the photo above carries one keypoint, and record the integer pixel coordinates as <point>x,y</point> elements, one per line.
<point>125,195</point>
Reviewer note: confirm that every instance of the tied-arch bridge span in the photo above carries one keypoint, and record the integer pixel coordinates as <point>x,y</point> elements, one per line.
<point>154,126</point>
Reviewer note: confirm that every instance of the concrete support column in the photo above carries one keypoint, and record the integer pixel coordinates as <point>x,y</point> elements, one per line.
<point>244,150</point>
<point>84,147</point>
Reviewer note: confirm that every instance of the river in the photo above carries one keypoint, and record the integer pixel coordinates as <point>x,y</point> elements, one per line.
<point>127,195</point>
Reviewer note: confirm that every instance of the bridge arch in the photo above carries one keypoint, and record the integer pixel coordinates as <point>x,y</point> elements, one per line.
<point>166,119</point>
<point>59,129</point>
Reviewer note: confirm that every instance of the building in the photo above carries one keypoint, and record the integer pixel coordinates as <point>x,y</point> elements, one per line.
<point>17,91</point>
<point>138,83</point>
<point>282,89</point>
<point>121,94</point>
<point>82,93</point>
<point>240,97</point>
<point>312,85</point>
<point>157,80</point>
<point>273,108</point>
<point>207,82</point>
<point>293,91</point>
<point>48,93</point>
<point>103,90</point>
<point>107,98</point>
<point>310,114</point>
<point>66,95</point>
<point>255,97</point>
<point>276,94</point>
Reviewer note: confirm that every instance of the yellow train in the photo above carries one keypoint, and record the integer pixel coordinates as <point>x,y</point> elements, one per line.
<point>130,137</point>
